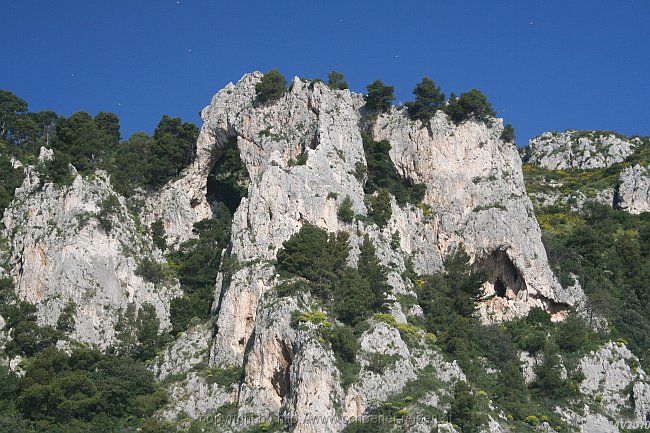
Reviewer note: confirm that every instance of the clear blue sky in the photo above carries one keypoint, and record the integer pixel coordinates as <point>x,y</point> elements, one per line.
<point>545,65</point>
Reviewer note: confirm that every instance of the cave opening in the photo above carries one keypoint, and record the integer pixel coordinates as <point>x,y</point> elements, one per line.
<point>506,280</point>
<point>228,179</point>
<point>500,288</point>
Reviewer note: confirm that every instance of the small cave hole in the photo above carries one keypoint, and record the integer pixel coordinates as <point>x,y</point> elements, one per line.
<point>506,279</point>
<point>500,288</point>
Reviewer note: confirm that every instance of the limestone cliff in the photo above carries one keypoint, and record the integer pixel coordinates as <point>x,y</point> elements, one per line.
<point>475,196</point>
<point>79,245</point>
<point>579,149</point>
<point>261,354</point>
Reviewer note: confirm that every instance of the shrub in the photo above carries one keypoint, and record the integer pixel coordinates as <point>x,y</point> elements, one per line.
<point>272,86</point>
<point>224,377</point>
<point>150,270</point>
<point>335,81</point>
<point>354,298</point>
<point>158,235</point>
<point>428,100</point>
<point>197,263</point>
<point>508,134</point>
<point>107,208</point>
<point>379,97</point>
<point>572,333</point>
<point>228,180</point>
<point>314,254</point>
<point>345,212</point>
<point>462,409</point>
<point>380,208</point>
<point>470,104</point>
<point>382,174</point>
<point>66,321</point>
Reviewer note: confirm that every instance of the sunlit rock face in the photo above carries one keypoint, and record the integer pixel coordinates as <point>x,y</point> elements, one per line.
<point>67,247</point>
<point>633,193</point>
<point>475,196</point>
<point>579,149</point>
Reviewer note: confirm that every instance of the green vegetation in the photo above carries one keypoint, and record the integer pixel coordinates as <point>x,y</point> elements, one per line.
<point>224,377</point>
<point>382,174</point>
<point>90,143</point>
<point>428,100</point>
<point>380,209</point>
<point>471,104</point>
<point>352,295</point>
<point>83,391</point>
<point>449,300</point>
<point>379,97</point>
<point>196,263</point>
<point>10,179</point>
<point>608,251</point>
<point>228,180</point>
<point>80,391</point>
<point>272,86</point>
<point>158,235</point>
<point>508,134</point>
<point>336,81</point>
<point>345,212</point>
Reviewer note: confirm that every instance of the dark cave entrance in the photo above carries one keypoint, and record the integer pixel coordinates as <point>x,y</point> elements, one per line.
<point>504,276</point>
<point>228,179</point>
<point>500,288</point>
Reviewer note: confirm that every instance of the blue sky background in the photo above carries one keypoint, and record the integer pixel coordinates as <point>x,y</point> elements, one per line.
<point>545,65</point>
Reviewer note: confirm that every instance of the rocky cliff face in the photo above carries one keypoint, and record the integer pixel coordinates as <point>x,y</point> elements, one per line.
<point>570,170</point>
<point>474,188</point>
<point>634,190</point>
<point>82,244</point>
<point>79,245</point>
<point>579,149</point>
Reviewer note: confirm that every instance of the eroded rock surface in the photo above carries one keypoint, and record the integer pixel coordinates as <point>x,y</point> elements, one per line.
<point>633,193</point>
<point>475,196</point>
<point>579,149</point>
<point>80,244</point>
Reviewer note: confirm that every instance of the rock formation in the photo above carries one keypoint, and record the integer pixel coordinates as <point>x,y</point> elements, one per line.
<point>579,149</point>
<point>79,245</point>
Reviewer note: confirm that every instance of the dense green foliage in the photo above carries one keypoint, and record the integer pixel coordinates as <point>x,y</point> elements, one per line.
<point>471,104</point>
<point>90,143</point>
<point>336,81</point>
<point>272,86</point>
<point>196,263</point>
<point>10,179</point>
<point>228,180</point>
<point>84,391</point>
<point>320,258</point>
<point>382,174</point>
<point>350,294</point>
<point>379,97</point>
<point>508,133</point>
<point>345,212</point>
<point>608,250</point>
<point>379,208</point>
<point>449,302</point>
<point>428,100</point>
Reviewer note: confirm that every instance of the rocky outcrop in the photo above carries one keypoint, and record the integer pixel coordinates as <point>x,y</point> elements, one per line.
<point>614,379</point>
<point>79,245</point>
<point>475,187</point>
<point>475,196</point>
<point>633,193</point>
<point>579,149</point>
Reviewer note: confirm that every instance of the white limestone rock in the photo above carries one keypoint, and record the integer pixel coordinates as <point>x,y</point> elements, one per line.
<point>633,193</point>
<point>59,253</point>
<point>579,149</point>
<point>613,376</point>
